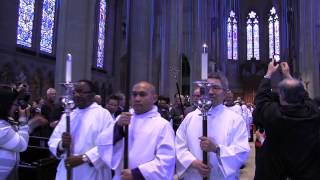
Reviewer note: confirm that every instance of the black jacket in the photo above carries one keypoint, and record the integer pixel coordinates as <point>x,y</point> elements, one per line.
<point>292,144</point>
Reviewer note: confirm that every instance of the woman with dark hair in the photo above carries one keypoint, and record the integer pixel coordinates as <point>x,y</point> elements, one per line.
<point>13,138</point>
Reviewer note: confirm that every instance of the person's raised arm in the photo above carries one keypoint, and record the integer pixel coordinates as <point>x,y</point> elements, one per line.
<point>285,70</point>
<point>271,69</point>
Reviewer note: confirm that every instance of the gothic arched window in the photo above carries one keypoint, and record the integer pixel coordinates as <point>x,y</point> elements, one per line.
<point>25,23</point>
<point>101,33</point>
<point>232,32</point>
<point>47,25</point>
<point>253,36</point>
<point>274,33</point>
<point>30,23</point>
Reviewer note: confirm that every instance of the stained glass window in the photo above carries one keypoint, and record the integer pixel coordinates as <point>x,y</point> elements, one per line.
<point>25,22</point>
<point>274,33</point>
<point>101,33</point>
<point>232,39</point>
<point>253,36</point>
<point>47,25</point>
<point>36,30</point>
<point>249,40</point>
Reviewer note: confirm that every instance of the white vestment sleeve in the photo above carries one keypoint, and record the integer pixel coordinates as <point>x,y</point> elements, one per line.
<point>94,158</point>
<point>235,154</point>
<point>118,150</point>
<point>55,137</point>
<point>102,153</point>
<point>109,153</point>
<point>184,156</point>
<point>162,166</point>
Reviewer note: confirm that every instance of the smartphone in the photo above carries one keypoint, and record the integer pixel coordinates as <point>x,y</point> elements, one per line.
<point>276,58</point>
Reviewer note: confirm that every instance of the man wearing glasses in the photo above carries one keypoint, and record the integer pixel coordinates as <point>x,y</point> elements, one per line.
<point>87,121</point>
<point>227,142</point>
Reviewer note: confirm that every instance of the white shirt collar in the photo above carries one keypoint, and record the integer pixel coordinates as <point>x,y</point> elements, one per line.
<point>153,112</point>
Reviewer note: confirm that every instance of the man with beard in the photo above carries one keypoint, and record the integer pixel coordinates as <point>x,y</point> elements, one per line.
<point>87,121</point>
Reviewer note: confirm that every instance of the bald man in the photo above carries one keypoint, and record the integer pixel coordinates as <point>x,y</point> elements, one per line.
<point>49,115</point>
<point>98,99</point>
<point>151,139</point>
<point>291,122</point>
<point>51,110</point>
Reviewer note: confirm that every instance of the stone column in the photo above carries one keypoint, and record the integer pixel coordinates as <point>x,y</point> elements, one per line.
<point>171,47</point>
<point>309,45</point>
<point>282,11</point>
<point>76,36</point>
<point>140,45</point>
<point>222,34</point>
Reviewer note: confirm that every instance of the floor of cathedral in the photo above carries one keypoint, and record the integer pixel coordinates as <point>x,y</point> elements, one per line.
<point>247,173</point>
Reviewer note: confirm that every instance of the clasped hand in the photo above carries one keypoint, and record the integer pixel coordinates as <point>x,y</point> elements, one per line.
<point>124,119</point>
<point>126,174</point>
<point>202,168</point>
<point>207,145</point>
<point>73,161</point>
<point>66,140</point>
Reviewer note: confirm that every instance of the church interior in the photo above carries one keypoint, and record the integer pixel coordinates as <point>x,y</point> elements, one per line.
<point>117,43</point>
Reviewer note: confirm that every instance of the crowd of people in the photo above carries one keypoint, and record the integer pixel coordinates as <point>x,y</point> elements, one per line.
<point>164,140</point>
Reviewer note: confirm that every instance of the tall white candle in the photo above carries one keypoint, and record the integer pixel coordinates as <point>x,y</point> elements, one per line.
<point>68,68</point>
<point>204,63</point>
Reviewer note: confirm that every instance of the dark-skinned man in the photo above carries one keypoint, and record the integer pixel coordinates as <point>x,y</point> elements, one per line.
<point>87,121</point>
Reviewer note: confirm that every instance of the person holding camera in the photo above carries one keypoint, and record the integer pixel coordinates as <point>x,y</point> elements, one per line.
<point>291,123</point>
<point>14,135</point>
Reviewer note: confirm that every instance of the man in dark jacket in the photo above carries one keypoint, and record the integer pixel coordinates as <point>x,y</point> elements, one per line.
<point>291,148</point>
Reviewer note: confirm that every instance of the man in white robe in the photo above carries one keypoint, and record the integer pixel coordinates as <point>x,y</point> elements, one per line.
<point>87,121</point>
<point>151,140</point>
<point>240,108</point>
<point>227,142</point>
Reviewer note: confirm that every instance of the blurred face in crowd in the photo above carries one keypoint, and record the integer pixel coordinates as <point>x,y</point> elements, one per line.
<point>51,94</point>
<point>83,95</point>
<point>229,98</point>
<point>143,97</point>
<point>112,105</point>
<point>177,100</point>
<point>98,99</point>
<point>196,95</point>
<point>217,92</point>
<point>163,104</point>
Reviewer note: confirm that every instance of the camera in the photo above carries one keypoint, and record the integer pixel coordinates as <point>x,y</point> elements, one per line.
<point>23,100</point>
<point>23,96</point>
<point>276,58</point>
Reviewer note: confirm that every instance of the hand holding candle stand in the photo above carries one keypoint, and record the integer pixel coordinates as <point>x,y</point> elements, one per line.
<point>68,105</point>
<point>206,103</point>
